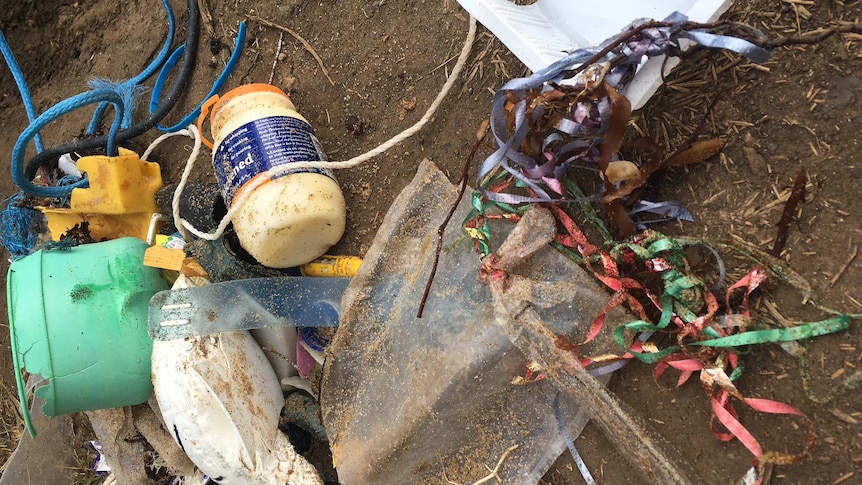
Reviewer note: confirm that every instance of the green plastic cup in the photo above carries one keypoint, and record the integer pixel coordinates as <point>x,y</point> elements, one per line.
<point>78,318</point>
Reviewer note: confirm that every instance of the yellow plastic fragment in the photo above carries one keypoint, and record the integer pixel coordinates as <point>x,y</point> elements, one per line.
<point>344,266</point>
<point>119,202</point>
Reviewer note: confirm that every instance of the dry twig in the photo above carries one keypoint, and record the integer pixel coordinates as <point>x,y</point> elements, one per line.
<point>277,53</point>
<point>496,469</point>
<point>494,473</point>
<point>813,37</point>
<point>298,37</point>
<point>440,230</point>
<point>797,195</point>
<point>844,268</point>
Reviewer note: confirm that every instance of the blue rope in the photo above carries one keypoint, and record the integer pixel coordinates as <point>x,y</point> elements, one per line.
<point>64,181</point>
<point>131,84</point>
<point>18,75</point>
<point>128,92</point>
<point>20,227</point>
<point>216,88</point>
<point>50,115</point>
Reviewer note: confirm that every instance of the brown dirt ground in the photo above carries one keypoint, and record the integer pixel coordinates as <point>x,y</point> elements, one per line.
<point>798,112</point>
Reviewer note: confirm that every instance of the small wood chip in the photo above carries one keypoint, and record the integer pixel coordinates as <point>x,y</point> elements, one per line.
<point>843,416</point>
<point>844,478</point>
<point>756,162</point>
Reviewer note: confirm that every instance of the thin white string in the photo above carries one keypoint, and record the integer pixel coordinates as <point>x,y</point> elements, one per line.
<point>181,224</point>
<point>237,204</point>
<point>160,139</point>
<point>191,132</point>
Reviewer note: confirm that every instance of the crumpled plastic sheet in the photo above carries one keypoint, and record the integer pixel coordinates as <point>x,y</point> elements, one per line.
<point>409,400</point>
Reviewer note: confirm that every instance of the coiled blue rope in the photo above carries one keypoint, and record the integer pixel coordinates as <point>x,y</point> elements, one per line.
<point>56,111</point>
<point>129,88</point>
<point>18,75</point>
<point>216,87</point>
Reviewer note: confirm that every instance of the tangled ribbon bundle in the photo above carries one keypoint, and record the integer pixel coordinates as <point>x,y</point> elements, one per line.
<point>574,113</point>
<point>573,110</point>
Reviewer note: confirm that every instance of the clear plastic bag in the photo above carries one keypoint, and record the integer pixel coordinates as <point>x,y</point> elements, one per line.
<point>409,400</point>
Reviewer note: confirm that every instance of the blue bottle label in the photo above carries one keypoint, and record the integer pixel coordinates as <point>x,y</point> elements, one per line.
<point>255,147</point>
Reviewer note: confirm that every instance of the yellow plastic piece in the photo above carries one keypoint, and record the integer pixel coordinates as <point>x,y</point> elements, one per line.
<point>119,202</point>
<point>345,266</point>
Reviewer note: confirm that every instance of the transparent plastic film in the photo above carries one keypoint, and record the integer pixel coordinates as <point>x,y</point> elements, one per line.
<point>409,400</point>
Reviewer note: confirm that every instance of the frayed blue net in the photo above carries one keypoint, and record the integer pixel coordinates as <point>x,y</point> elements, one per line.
<point>22,227</point>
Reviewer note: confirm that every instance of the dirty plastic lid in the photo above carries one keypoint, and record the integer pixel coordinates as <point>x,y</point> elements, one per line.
<point>242,90</point>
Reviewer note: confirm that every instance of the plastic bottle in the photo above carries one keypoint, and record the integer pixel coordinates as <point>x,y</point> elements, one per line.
<point>293,218</point>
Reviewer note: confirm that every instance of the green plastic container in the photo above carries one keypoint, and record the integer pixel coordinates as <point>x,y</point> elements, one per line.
<point>78,318</point>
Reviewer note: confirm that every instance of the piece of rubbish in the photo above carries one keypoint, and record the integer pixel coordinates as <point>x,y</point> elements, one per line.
<point>100,465</point>
<point>294,217</point>
<point>327,265</point>
<point>78,319</point>
<point>515,310</point>
<point>118,203</point>
<point>448,375</point>
<point>292,301</point>
<point>122,448</point>
<point>301,409</point>
<point>221,399</point>
<point>279,345</point>
<point>224,260</point>
<point>305,360</point>
<point>170,241</point>
<point>173,260</point>
<point>147,420</point>
<point>156,221</point>
<point>201,205</point>
<point>667,210</point>
<point>546,30</point>
<point>573,110</point>
<point>23,228</point>
<point>620,171</point>
<point>68,166</point>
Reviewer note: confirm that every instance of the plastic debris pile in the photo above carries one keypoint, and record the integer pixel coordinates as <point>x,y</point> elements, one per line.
<point>203,337</point>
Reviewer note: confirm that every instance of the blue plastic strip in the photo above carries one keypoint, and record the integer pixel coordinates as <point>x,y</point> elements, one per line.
<point>735,44</point>
<point>216,88</point>
<point>570,443</point>
<point>167,67</point>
